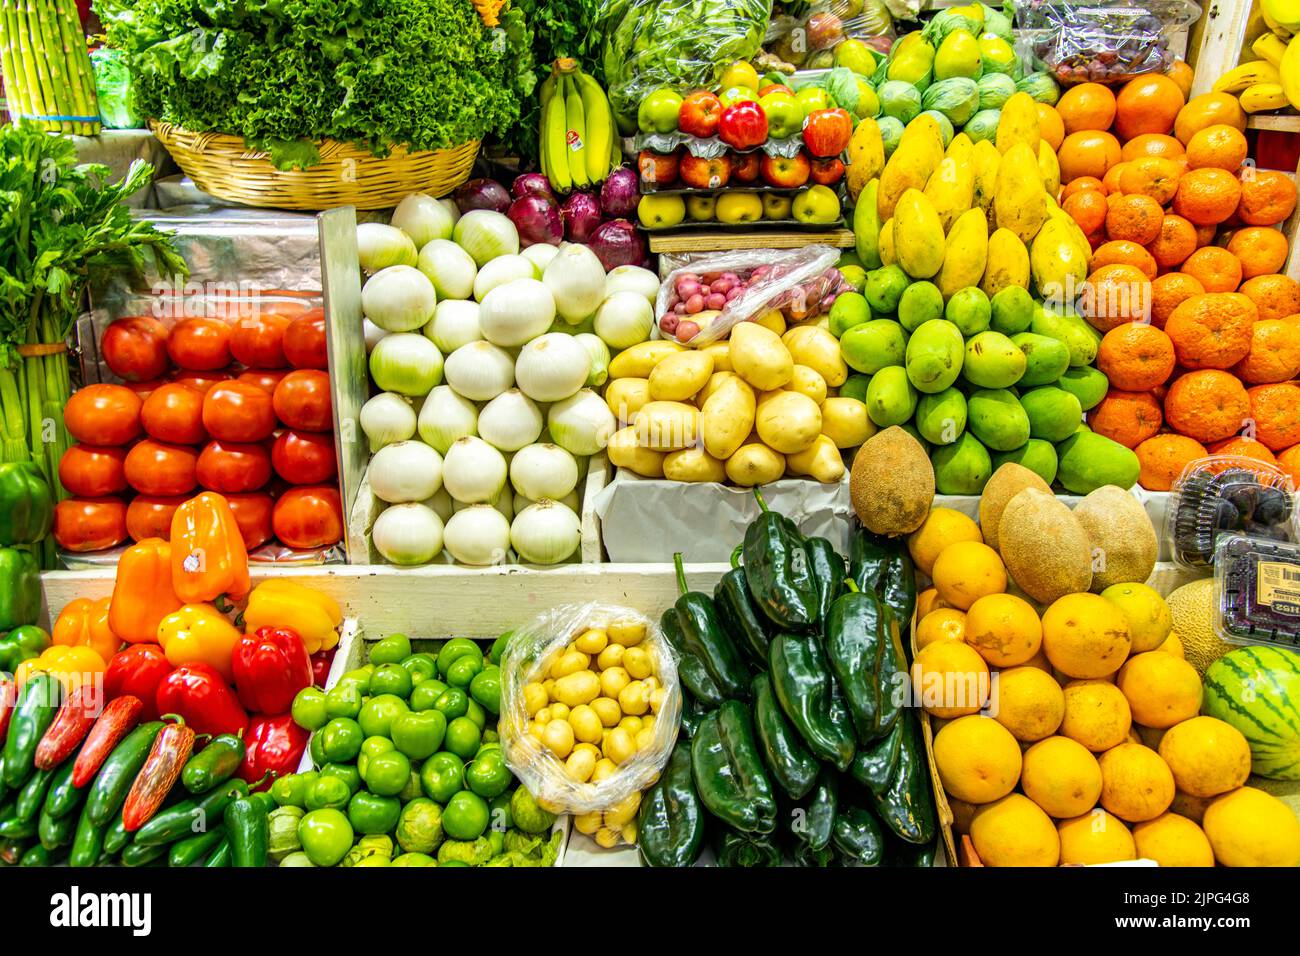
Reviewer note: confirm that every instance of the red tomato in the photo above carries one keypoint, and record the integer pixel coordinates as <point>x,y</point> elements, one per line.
<point>304,341</point>
<point>304,458</point>
<point>265,379</point>
<point>174,413</point>
<point>238,412</point>
<point>157,468</point>
<point>91,472</point>
<point>144,389</point>
<point>253,515</point>
<point>302,401</point>
<point>150,516</point>
<point>309,517</point>
<point>258,340</point>
<point>90,524</point>
<point>103,415</point>
<point>201,344</point>
<point>135,348</point>
<point>231,467</point>
<point>200,381</point>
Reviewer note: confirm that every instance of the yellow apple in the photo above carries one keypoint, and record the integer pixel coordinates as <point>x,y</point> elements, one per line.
<point>701,208</point>
<point>661,212</point>
<point>776,206</point>
<point>739,207</point>
<point>739,73</point>
<point>818,204</point>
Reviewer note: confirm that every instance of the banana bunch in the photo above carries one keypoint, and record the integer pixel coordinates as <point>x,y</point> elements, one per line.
<point>1271,82</point>
<point>579,144</point>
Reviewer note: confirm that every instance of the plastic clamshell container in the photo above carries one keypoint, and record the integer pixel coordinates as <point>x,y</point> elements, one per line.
<point>1227,495</point>
<point>1257,585</point>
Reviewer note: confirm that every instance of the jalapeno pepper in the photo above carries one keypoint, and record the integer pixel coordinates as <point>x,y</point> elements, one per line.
<point>178,820</point>
<point>703,638</point>
<point>108,792</point>
<point>63,799</point>
<point>778,572</point>
<point>162,768</point>
<point>215,763</point>
<point>38,701</point>
<point>805,688</point>
<point>728,772</point>
<point>191,850</point>
<point>87,842</point>
<point>31,796</point>
<point>748,628</point>
<point>55,832</point>
<point>250,831</point>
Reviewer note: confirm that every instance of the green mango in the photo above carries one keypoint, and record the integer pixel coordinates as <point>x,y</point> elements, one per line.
<point>1088,460</point>
<point>934,356</point>
<point>874,345</point>
<point>1045,359</point>
<point>1054,413</point>
<point>1079,337</point>
<point>961,468</point>
<point>941,418</point>
<point>891,399</point>
<point>993,361</point>
<point>1037,455</point>
<point>1089,385</point>
<point>997,419</point>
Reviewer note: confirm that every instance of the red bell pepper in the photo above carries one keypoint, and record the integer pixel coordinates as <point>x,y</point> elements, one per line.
<point>270,667</point>
<point>171,748</point>
<point>275,746</point>
<point>321,662</point>
<point>70,726</point>
<point>200,695</point>
<point>138,670</point>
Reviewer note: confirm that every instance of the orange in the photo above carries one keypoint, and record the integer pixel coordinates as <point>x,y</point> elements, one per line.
<point>1208,109</point>
<point>1182,75</point>
<point>1267,197</point>
<point>1274,354</point>
<point>1221,146</point>
<point>1129,418</point>
<point>1205,235</point>
<point>941,528</point>
<point>1275,410</point>
<point>1177,241</point>
<point>1050,126</point>
<point>1123,252</point>
<point>1088,106</point>
<point>1207,197</point>
<point>1151,144</point>
<point>1088,209</point>
<point>1114,295</point>
<point>1136,218</point>
<point>1168,292</point>
<point>1151,176</point>
<point>1087,153</point>
<point>1243,448</point>
<point>965,571</point>
<point>1212,330</point>
<point>1207,405</point>
<point>1137,357</point>
<point>1215,268</point>
<point>1081,184</point>
<point>950,679</point>
<point>1260,249</point>
<point>941,624</point>
<point>1003,629</point>
<point>1290,462</point>
<point>1147,104</point>
<point>1110,182</point>
<point>1163,459</point>
<point>1276,296</point>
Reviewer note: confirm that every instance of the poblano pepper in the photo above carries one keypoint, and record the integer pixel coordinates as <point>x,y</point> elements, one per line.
<point>728,772</point>
<point>747,626</point>
<point>828,573</point>
<point>692,713</point>
<point>20,588</point>
<point>694,675</point>
<point>792,766</point>
<point>813,820</point>
<point>857,835</point>
<point>778,572</point>
<point>906,805</point>
<point>806,856</point>
<point>860,649</point>
<point>735,848</point>
<point>26,504</point>
<point>898,587</point>
<point>670,825</point>
<point>868,557</point>
<point>704,638</point>
<point>874,763</point>
<point>804,686</point>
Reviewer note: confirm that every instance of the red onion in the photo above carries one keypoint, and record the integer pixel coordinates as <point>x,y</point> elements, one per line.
<point>482,194</point>
<point>619,195</point>
<point>538,220</point>
<point>531,184</point>
<point>581,214</point>
<point>617,243</point>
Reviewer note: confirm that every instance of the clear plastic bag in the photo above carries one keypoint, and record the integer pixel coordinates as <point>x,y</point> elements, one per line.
<point>804,36</point>
<point>113,89</point>
<point>1107,41</point>
<point>799,282</point>
<point>528,658</point>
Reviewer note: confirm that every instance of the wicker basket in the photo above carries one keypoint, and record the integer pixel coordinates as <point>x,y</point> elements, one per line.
<point>224,167</point>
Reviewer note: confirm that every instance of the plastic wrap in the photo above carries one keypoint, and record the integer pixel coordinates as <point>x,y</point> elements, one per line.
<point>800,282</point>
<point>529,655</point>
<point>1109,41</point>
<point>113,89</point>
<point>805,36</point>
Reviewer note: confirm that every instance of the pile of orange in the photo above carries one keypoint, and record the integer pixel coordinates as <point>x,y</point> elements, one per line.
<point>1200,324</point>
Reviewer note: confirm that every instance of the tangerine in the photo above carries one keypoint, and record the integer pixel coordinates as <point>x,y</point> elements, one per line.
<point>1087,153</point>
<point>1276,296</point>
<point>1129,418</point>
<point>1220,146</point>
<point>1152,144</point>
<point>1147,104</point>
<point>1114,295</point>
<point>1207,405</point>
<point>1050,126</point>
<point>1151,176</point>
<point>1207,197</point>
<point>1261,250</point>
<point>1136,357</point>
<point>1136,218</point>
<point>1212,330</point>
<point>1168,292</point>
<point>1275,410</point>
<point>1163,457</point>
<point>1267,197</point>
<point>1215,268</point>
<point>1208,109</point>
<point>1088,106</point>
<point>1125,252</point>
<point>1177,241</point>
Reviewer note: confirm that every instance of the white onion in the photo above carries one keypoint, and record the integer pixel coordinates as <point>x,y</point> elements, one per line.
<point>540,254</point>
<point>446,417</point>
<point>505,504</point>
<point>408,534</point>
<point>485,234</point>
<point>546,533</point>
<point>570,501</point>
<point>454,323</point>
<point>599,353</point>
<point>480,371</point>
<point>453,210</point>
<point>398,299</point>
<point>577,280</point>
<point>372,334</point>
<point>405,471</point>
<point>449,267</point>
<point>423,218</point>
<point>406,363</point>
<point>501,270</point>
<point>442,504</point>
<point>473,471</point>
<point>582,423</point>
<point>624,319</point>
<point>478,536</point>
<point>543,471</point>
<point>387,418</point>
<point>632,279</point>
<point>516,312</point>
<point>510,421</point>
<point>380,246</point>
<point>551,367</point>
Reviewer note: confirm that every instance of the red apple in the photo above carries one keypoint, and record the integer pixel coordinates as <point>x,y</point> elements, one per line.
<point>744,167</point>
<point>824,30</point>
<point>699,114</point>
<point>705,173</point>
<point>774,87</point>
<point>827,132</point>
<point>827,170</point>
<point>658,168</point>
<point>785,173</point>
<point>744,125</point>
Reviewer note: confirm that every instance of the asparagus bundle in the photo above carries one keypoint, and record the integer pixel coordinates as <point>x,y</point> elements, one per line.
<point>46,68</point>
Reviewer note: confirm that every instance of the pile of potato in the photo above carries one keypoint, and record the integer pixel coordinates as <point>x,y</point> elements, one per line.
<point>756,407</point>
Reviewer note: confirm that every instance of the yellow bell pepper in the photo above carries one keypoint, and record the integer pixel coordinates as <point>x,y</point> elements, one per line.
<point>70,666</point>
<point>85,623</point>
<point>198,633</point>
<point>281,603</point>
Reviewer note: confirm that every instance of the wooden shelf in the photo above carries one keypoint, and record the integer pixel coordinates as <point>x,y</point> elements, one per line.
<point>725,241</point>
<point>1280,122</point>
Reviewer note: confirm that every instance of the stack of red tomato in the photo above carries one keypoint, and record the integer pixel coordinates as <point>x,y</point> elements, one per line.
<point>237,403</point>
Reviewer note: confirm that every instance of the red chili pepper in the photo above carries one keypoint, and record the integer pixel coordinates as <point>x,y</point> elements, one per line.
<point>162,768</point>
<point>321,662</point>
<point>114,723</point>
<point>274,746</point>
<point>202,697</point>
<point>70,726</point>
<point>8,700</point>
<point>270,667</point>
<point>138,670</point>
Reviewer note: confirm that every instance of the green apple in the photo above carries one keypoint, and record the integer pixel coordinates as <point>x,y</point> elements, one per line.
<point>784,114</point>
<point>818,204</point>
<point>739,207</point>
<point>701,208</point>
<point>812,98</point>
<point>776,206</point>
<point>731,95</point>
<point>658,111</point>
<point>661,212</point>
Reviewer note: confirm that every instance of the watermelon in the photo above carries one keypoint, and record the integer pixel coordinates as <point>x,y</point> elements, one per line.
<point>1257,690</point>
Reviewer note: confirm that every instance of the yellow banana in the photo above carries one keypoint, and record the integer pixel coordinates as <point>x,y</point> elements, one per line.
<point>575,133</point>
<point>553,144</point>
<point>1269,47</point>
<point>1283,14</point>
<point>1290,72</point>
<point>1247,75</point>
<point>548,89</point>
<point>600,126</point>
<point>1263,96</point>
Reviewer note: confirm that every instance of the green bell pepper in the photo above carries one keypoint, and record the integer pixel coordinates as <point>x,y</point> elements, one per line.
<point>857,835</point>
<point>813,821</point>
<point>26,504</point>
<point>786,756</point>
<point>20,644</point>
<point>704,638</point>
<point>860,649</point>
<point>694,675</point>
<point>778,571</point>
<point>747,627</point>
<point>728,771</point>
<point>670,824</point>
<point>906,804</point>
<point>20,588</point>
<point>735,848</point>
<point>828,572</point>
<point>805,688</point>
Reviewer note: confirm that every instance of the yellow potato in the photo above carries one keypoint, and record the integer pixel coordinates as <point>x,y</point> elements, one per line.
<point>640,359</point>
<point>586,725</point>
<point>624,452</point>
<point>580,765</point>
<point>652,682</point>
<point>604,767</point>
<point>772,320</point>
<point>587,823</point>
<point>625,396</point>
<point>645,738</point>
<point>619,745</point>
<point>580,687</point>
<point>845,422</point>
<point>607,711</point>
<point>543,716</point>
<point>808,381</point>
<point>759,357</point>
<point>721,354</point>
<point>679,376</point>
<point>638,663</point>
<point>814,346</point>
<point>629,631</point>
<point>694,465</point>
<point>789,422</point>
<point>716,381</point>
<point>623,811</point>
<point>726,417</point>
<point>607,838</point>
<point>755,464</point>
<point>647,721</point>
<point>537,730</point>
<point>558,736</point>
<point>535,698</point>
<point>591,641</point>
<point>569,663</point>
<point>667,426</point>
<point>634,698</point>
<point>611,656</point>
<point>631,723</point>
<point>559,711</point>
<point>821,460</point>
<point>548,685</point>
<point>613,680</point>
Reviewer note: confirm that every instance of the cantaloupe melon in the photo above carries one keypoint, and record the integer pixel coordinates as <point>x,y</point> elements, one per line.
<point>1044,546</point>
<point>1192,609</point>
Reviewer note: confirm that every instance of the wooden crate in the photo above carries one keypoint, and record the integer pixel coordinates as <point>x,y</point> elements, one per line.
<point>1220,41</point>
<point>728,241</point>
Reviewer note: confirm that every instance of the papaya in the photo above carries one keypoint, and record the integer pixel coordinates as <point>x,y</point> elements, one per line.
<point>959,148</point>
<point>911,60</point>
<point>919,152</point>
<point>985,159</point>
<point>1049,167</point>
<point>1020,203</point>
<point>918,235</point>
<point>958,55</point>
<point>965,253</point>
<point>887,257</point>
<point>866,156</point>
<point>1056,262</point>
<point>1018,124</point>
<point>1008,263</point>
<point>951,188</point>
<point>866,226</point>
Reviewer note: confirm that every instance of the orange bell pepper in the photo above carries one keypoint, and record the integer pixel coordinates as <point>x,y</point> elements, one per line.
<point>207,551</point>
<point>86,623</point>
<point>279,603</point>
<point>142,592</point>
<point>198,633</point>
<point>70,666</point>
